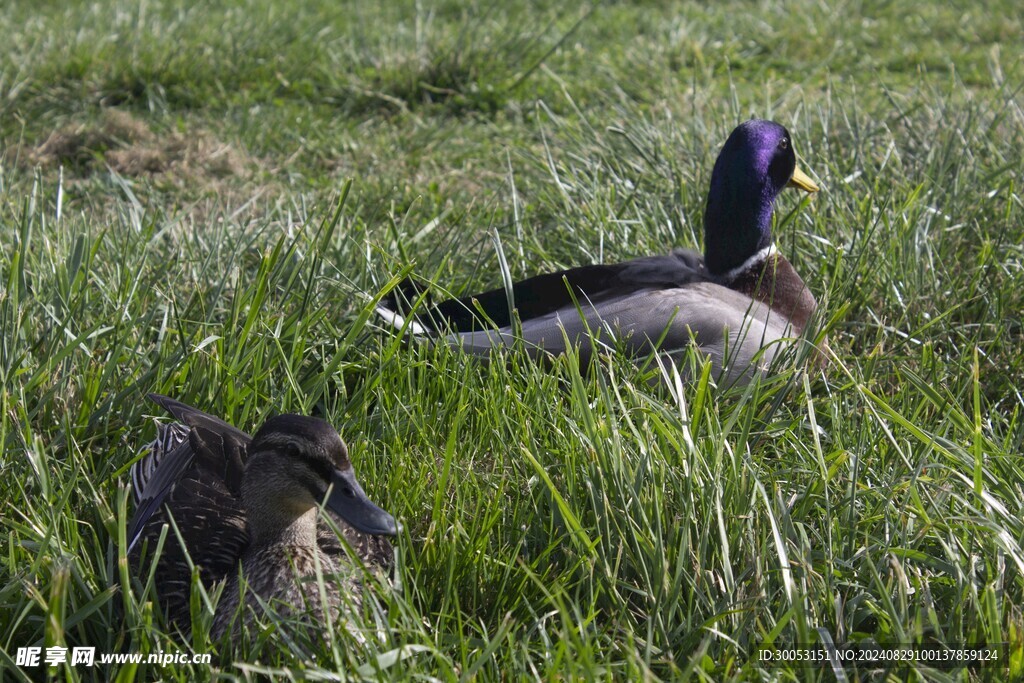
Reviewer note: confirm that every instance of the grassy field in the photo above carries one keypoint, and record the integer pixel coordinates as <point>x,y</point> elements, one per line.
<point>206,200</point>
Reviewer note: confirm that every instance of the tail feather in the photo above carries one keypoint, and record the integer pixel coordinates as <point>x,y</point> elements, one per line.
<point>399,321</point>
<point>396,308</point>
<point>404,294</point>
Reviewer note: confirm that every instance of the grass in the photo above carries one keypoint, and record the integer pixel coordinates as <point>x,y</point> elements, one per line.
<point>555,527</point>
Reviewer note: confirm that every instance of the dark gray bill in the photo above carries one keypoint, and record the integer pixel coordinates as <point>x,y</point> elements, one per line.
<point>350,502</point>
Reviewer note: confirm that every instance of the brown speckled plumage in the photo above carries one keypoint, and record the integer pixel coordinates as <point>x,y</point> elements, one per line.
<point>251,502</point>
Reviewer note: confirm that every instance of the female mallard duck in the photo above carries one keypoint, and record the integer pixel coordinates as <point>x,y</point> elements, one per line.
<point>735,304</point>
<point>252,502</point>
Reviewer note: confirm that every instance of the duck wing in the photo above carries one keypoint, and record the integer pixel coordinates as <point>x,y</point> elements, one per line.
<point>168,437</point>
<point>214,535</point>
<point>542,295</point>
<point>221,446</point>
<point>192,474</point>
<point>204,443</point>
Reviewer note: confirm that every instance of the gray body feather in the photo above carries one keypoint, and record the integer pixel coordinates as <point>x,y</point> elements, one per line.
<point>740,336</point>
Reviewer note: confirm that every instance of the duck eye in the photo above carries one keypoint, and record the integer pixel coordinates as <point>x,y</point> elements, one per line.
<point>784,143</point>
<point>322,469</point>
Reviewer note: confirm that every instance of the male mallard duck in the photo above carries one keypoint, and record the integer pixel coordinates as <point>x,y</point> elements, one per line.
<point>740,299</point>
<point>252,502</point>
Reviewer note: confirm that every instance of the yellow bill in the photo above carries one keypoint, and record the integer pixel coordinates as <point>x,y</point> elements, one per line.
<point>803,181</point>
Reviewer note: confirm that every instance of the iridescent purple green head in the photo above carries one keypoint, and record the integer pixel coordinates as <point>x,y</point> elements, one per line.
<point>755,164</point>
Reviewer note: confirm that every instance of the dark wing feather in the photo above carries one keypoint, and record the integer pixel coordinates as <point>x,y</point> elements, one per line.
<point>159,484</point>
<point>221,454</point>
<point>193,473</point>
<point>213,527</point>
<point>168,436</point>
<point>544,294</point>
<point>196,418</point>
<point>218,447</point>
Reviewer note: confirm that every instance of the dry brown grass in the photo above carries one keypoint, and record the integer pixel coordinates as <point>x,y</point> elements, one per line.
<point>129,147</point>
